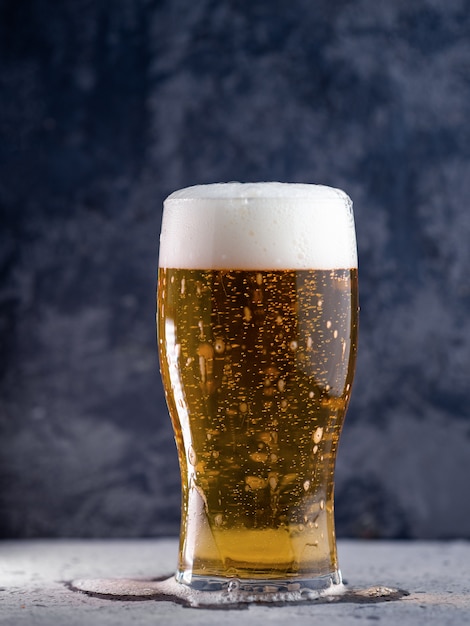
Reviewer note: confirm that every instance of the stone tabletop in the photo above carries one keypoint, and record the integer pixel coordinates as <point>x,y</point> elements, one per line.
<point>35,579</point>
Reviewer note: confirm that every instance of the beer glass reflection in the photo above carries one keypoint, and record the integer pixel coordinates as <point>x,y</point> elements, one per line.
<point>257,330</point>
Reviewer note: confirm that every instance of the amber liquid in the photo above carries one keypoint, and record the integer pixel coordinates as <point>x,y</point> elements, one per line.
<point>257,368</point>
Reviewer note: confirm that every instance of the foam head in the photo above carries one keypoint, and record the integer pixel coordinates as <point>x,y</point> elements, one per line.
<point>258,226</point>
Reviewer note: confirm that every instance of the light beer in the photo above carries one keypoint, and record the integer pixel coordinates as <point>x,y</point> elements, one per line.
<point>257,328</point>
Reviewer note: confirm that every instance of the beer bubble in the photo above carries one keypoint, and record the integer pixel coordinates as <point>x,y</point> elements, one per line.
<point>247,315</point>
<point>243,407</point>
<point>183,286</point>
<point>317,435</point>
<point>335,334</point>
<point>259,278</point>
<point>310,394</point>
<point>293,345</point>
<point>328,324</point>
<point>315,449</point>
<point>279,320</point>
<point>322,504</point>
<point>320,304</point>
<point>281,385</point>
<point>218,519</point>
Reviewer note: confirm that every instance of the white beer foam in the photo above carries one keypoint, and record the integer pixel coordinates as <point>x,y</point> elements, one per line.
<point>258,226</point>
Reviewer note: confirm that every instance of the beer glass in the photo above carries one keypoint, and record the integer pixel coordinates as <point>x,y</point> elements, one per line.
<point>257,330</point>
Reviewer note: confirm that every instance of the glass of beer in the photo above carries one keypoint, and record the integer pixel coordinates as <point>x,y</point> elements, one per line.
<point>257,331</point>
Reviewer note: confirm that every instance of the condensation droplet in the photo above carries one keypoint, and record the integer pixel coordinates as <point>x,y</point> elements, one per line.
<point>218,519</point>
<point>307,485</point>
<point>273,482</point>
<point>255,483</point>
<point>192,456</point>
<point>317,435</point>
<point>293,345</point>
<point>243,407</point>
<point>219,345</point>
<point>322,504</point>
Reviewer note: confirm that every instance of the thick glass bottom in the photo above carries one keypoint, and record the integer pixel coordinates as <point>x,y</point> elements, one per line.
<point>235,590</point>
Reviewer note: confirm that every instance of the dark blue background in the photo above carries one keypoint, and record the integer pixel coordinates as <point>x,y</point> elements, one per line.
<point>105,108</point>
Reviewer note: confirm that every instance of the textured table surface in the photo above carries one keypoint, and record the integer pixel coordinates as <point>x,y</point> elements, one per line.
<point>34,576</point>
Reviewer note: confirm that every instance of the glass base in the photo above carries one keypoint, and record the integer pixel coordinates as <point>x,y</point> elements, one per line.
<point>236,590</point>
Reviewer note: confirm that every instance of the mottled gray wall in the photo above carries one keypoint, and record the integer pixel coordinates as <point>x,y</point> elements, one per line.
<point>105,108</point>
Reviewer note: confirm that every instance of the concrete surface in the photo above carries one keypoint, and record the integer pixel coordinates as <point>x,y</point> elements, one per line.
<point>33,590</point>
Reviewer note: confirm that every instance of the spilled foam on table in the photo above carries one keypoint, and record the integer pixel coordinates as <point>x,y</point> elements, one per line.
<point>169,589</point>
